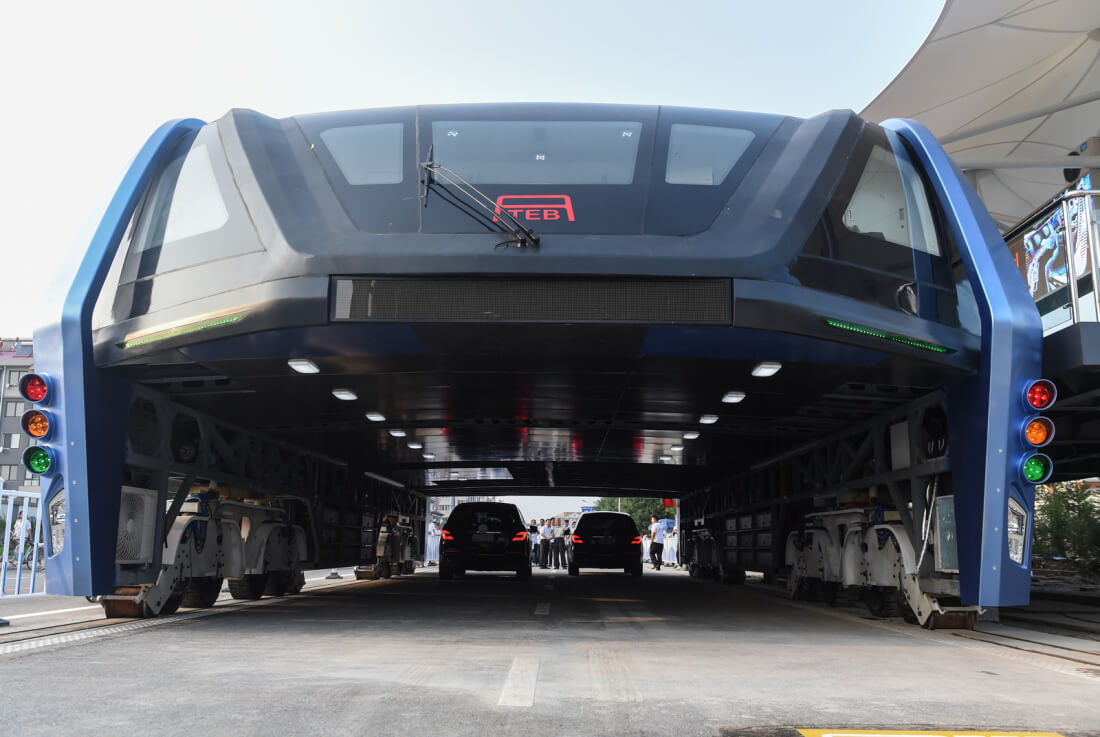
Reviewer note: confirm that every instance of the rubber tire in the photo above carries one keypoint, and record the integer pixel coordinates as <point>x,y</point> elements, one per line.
<point>385,571</point>
<point>201,592</point>
<point>248,587</point>
<point>296,582</point>
<point>695,571</point>
<point>446,573</point>
<point>523,572</point>
<point>277,582</point>
<point>459,572</point>
<point>573,570</point>
<point>829,591</point>
<point>636,571</point>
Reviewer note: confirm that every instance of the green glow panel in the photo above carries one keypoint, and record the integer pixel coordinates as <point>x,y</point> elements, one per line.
<point>194,327</point>
<point>863,330</point>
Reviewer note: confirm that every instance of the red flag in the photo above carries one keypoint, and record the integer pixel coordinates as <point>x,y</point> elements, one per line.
<point>668,502</point>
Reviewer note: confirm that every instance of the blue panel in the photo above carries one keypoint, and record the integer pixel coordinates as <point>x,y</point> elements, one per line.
<point>91,407</point>
<point>313,342</point>
<point>752,345</point>
<point>986,412</point>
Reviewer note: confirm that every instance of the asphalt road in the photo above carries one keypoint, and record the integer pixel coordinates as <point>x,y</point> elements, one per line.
<point>601,654</point>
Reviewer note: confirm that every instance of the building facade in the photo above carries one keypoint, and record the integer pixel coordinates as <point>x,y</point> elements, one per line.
<point>16,360</point>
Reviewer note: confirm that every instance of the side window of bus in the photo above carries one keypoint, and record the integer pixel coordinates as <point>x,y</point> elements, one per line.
<point>191,214</point>
<point>879,234</point>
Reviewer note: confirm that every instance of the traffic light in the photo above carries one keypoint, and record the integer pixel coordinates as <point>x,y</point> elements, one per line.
<point>1038,431</point>
<point>39,424</point>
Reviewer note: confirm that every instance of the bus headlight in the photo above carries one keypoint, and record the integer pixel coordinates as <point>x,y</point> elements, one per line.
<point>1017,530</point>
<point>56,509</point>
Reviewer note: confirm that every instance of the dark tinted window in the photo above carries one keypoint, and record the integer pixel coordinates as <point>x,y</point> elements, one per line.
<point>494,518</point>
<point>607,524</point>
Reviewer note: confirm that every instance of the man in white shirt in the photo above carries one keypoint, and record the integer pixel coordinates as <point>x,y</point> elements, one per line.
<point>557,544</point>
<point>657,545</point>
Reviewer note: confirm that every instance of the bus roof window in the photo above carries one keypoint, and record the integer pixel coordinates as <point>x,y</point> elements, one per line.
<point>530,152</point>
<point>367,154</point>
<point>704,154</point>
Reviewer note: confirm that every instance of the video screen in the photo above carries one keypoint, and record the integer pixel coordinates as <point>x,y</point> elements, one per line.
<point>1041,252</point>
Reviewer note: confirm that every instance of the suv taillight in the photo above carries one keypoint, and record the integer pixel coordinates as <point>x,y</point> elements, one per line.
<point>577,539</point>
<point>637,540</point>
<point>447,536</point>
<point>520,536</point>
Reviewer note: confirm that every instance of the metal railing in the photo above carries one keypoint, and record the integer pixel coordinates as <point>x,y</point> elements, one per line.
<point>1057,251</point>
<point>22,568</point>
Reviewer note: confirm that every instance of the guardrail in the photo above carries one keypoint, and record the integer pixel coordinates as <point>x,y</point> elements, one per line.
<point>1057,251</point>
<point>23,564</point>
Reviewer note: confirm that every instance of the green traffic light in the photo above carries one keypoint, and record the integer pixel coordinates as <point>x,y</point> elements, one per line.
<point>37,460</point>
<point>1036,469</point>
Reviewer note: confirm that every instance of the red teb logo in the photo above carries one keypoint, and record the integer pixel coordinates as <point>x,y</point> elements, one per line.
<point>536,206</point>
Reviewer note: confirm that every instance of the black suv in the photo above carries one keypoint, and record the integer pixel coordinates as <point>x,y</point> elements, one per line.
<point>485,536</point>
<point>605,540</point>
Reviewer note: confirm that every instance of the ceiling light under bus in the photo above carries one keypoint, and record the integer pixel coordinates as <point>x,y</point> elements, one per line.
<point>767,368</point>
<point>345,394</point>
<point>397,432</point>
<point>376,417</point>
<point>676,448</point>
<point>303,365</point>
<point>415,445</point>
<point>691,435</point>
<point>666,459</point>
<point>429,456</point>
<point>708,419</point>
<point>733,397</point>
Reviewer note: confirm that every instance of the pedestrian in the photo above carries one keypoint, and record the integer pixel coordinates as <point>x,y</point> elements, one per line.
<point>533,534</point>
<point>545,534</point>
<point>657,544</point>
<point>672,539</point>
<point>431,552</point>
<point>557,544</point>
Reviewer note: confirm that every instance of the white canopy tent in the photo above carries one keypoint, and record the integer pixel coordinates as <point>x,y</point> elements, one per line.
<point>1010,87</point>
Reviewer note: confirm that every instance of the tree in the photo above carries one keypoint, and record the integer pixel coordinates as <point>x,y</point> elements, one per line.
<point>641,509</point>
<point>1067,520</point>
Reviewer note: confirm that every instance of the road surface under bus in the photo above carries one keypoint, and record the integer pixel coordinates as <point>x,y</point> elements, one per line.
<point>597,654</point>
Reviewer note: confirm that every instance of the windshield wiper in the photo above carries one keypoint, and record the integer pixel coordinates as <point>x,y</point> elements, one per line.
<point>522,236</point>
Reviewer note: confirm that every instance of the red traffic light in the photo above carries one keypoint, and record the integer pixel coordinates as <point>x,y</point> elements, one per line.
<point>1041,394</point>
<point>33,388</point>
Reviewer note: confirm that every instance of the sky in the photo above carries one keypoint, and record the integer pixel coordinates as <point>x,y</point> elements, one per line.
<point>85,84</point>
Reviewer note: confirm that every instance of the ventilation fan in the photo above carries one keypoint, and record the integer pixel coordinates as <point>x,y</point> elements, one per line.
<point>136,526</point>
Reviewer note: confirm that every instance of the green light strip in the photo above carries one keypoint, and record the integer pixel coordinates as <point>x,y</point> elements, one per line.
<point>194,327</point>
<point>886,336</point>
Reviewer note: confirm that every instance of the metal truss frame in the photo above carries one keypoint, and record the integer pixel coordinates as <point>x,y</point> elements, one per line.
<point>857,458</point>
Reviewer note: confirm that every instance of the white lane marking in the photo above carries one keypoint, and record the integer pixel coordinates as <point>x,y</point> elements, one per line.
<point>519,687</point>
<point>55,611</point>
<point>543,609</point>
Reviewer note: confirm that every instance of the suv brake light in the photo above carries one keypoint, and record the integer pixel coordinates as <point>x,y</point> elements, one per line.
<point>520,536</point>
<point>577,539</point>
<point>447,536</point>
<point>637,540</point>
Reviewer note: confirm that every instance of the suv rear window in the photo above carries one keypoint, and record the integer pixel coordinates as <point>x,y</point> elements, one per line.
<point>607,524</point>
<point>494,518</point>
